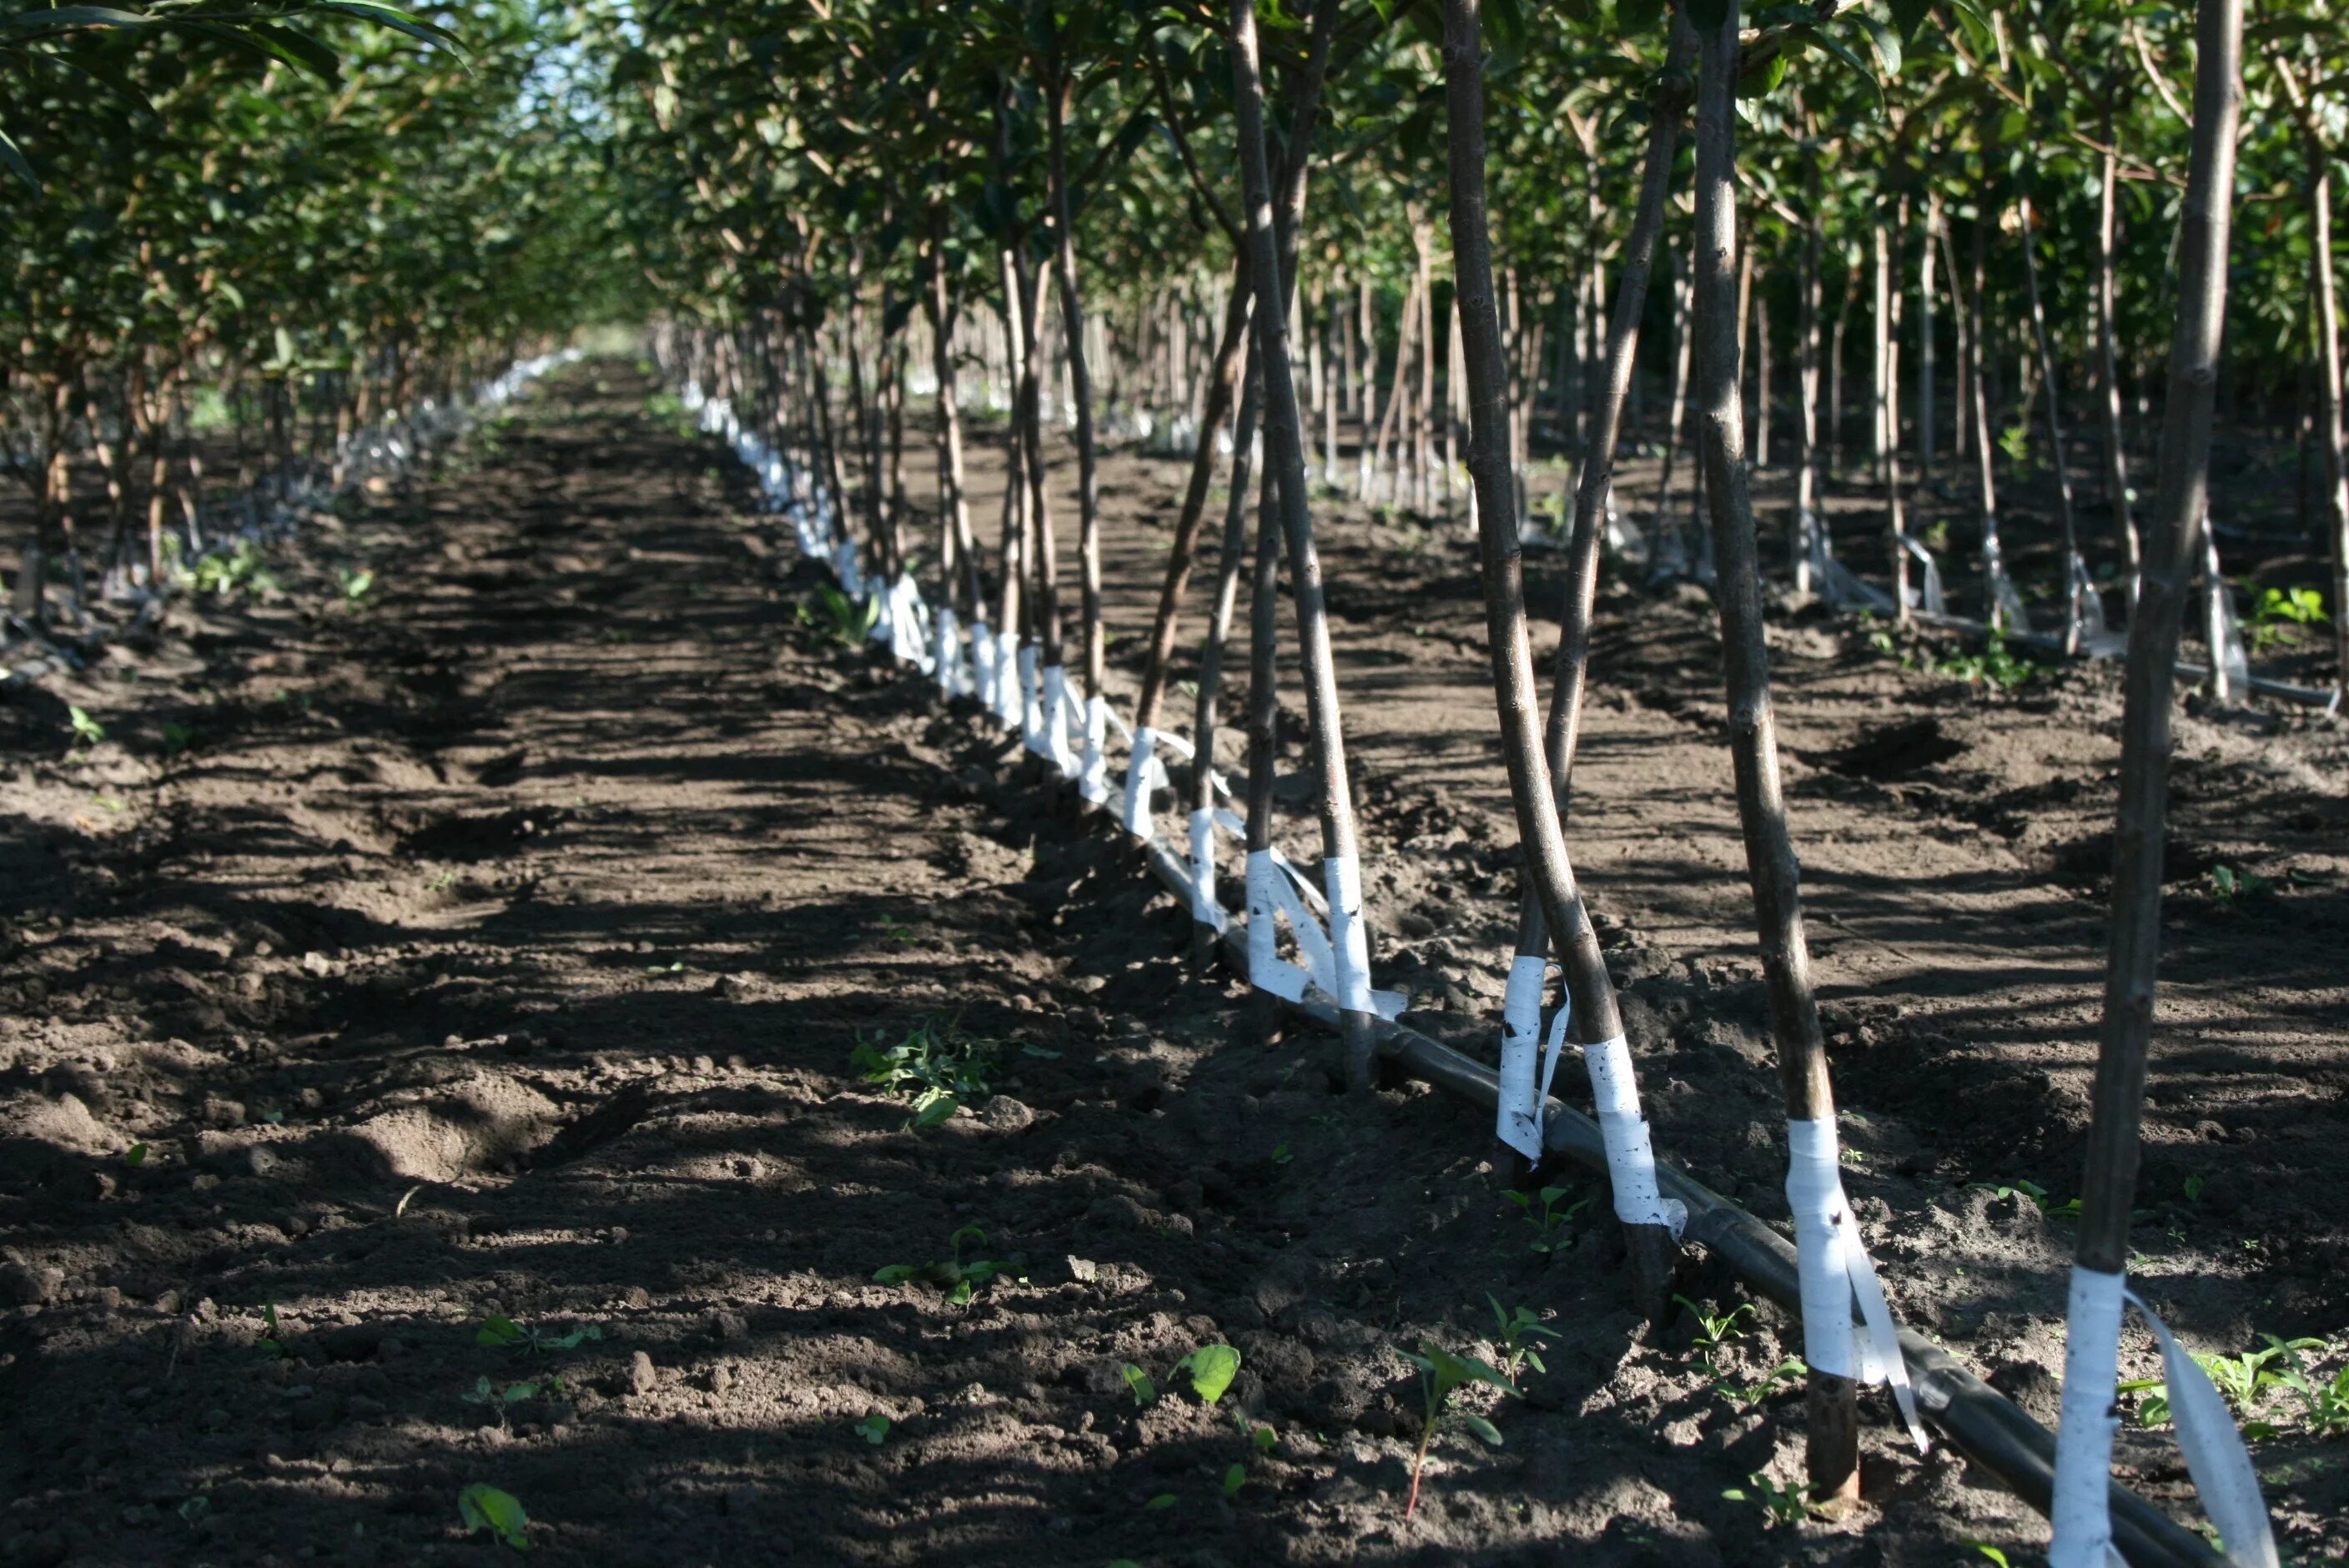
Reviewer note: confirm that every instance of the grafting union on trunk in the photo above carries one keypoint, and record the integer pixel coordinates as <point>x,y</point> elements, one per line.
<point>1834,1432</point>
<point>1285,460</point>
<point>2133,950</point>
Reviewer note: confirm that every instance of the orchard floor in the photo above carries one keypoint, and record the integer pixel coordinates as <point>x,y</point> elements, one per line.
<point>497,947</point>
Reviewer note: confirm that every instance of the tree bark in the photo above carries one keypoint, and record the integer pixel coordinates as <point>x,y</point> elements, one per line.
<point>2056,453</point>
<point>1833,1461</point>
<point>1285,460</point>
<point>1540,769</point>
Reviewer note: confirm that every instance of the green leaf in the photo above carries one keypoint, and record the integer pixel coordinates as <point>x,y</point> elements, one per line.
<point>135,1156</point>
<point>1235,1479</point>
<point>895,1273</point>
<point>1886,47</point>
<point>934,1109</point>
<point>1146,1392</point>
<point>501,1331</point>
<point>1264,1438</point>
<point>1163,1499</point>
<point>1482,1428</point>
<point>873,1428</point>
<point>500,1512</point>
<point>1212,1369</point>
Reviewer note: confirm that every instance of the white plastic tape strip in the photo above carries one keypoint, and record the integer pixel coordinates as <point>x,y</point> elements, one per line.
<point>1055,722</point>
<point>2083,1443</point>
<point>1205,907</point>
<point>2215,1456</point>
<point>1267,890</point>
<point>982,664</point>
<point>1517,1117</point>
<point>1012,676</point>
<point>1832,1270</point>
<point>1349,941</point>
<point>1144,773</point>
<point>1630,1153</point>
<point>1032,702</point>
<point>946,651</point>
<point>1092,768</point>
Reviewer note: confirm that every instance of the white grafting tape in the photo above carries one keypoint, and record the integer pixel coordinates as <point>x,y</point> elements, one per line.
<point>1092,768</point>
<point>1205,907</point>
<point>1630,1153</point>
<point>1031,700</point>
<point>982,664</point>
<point>1834,1271</point>
<point>1056,718</point>
<point>1135,817</point>
<point>1517,1114</point>
<point>946,651</point>
<point>1350,942</point>
<point>1267,971</point>
<point>2215,1455</point>
<point>2084,1442</point>
<point>1011,682</point>
<point>1815,1194</point>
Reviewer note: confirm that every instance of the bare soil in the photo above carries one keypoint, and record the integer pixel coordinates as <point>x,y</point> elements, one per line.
<point>498,947</point>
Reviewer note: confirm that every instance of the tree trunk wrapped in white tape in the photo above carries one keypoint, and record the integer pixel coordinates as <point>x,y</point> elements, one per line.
<point>2215,1456</point>
<point>1832,1270</point>
<point>1093,763</point>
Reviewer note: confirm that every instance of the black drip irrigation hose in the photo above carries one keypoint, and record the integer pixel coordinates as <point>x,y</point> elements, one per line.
<point>1985,1425</point>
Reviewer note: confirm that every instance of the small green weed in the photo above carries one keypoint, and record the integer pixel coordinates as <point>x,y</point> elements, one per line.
<point>241,569</point>
<point>2280,613</point>
<point>86,731</point>
<point>843,619</point>
<point>272,1343</point>
<point>959,1279</point>
<point>481,1508</point>
<point>1441,1375</point>
<point>177,738</point>
<point>937,1065</point>
<point>874,1428</point>
<point>2245,1379</point>
<point>354,584</point>
<point>903,935</point>
<point>1211,1368</point>
<point>1995,665</point>
<point>1138,1383</point>
<point>2234,887</point>
<point>503,1333</point>
<point>1787,1504</point>
<point>1542,1213</point>
<point>1515,1332</point>
<point>2006,1191</point>
<point>498,1400</point>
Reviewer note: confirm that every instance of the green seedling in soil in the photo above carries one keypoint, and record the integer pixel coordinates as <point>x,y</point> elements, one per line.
<point>177,738</point>
<point>1992,1553</point>
<point>874,1428</point>
<point>232,573</point>
<point>1995,666</point>
<point>937,1065</point>
<point>2280,613</point>
<point>1547,1218</point>
<point>272,1343</point>
<point>843,620</point>
<point>2233,887</point>
<point>503,1333</point>
<point>903,935</point>
<point>486,1393</point>
<point>959,1279</point>
<point>481,1508</point>
<point>354,584</point>
<point>1515,1332</point>
<point>1742,1394</point>
<point>1281,1155</point>
<point>1165,1500</point>
<point>192,1510</point>
<point>2194,1185</point>
<point>2006,1191</point>
<point>1715,1334</point>
<point>1441,1375</point>
<point>1783,1504</point>
<point>2243,1380</point>
<point>86,731</point>
<point>1137,1381</point>
<point>440,883</point>
<point>2327,1404</point>
<point>1212,1369</point>
<point>135,1156</point>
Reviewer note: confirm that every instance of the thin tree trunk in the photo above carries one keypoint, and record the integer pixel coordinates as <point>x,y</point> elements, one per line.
<point>1551,882</point>
<point>1285,459</point>
<point>1927,418</point>
<point>2056,453</point>
<point>1807,427</point>
<point>2328,408</point>
<point>1092,789</point>
<point>1761,377</point>
<point>1233,555</point>
<point>1834,1430</point>
<point>1681,352</point>
<point>2116,1098</point>
<point>954,505</point>
<point>1962,448</point>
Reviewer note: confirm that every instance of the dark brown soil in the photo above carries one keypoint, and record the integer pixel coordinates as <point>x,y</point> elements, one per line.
<point>499,948</point>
